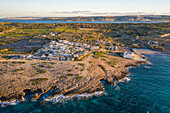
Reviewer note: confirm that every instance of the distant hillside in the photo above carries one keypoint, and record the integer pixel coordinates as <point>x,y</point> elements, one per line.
<point>137,18</point>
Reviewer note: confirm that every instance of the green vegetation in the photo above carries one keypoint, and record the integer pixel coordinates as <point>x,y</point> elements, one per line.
<point>98,54</point>
<point>38,80</point>
<point>70,70</point>
<point>64,77</point>
<point>102,67</point>
<point>14,34</point>
<point>70,31</point>
<point>70,75</point>
<point>90,62</point>
<point>6,62</point>
<point>50,67</point>
<point>21,69</point>
<point>18,62</point>
<point>90,67</point>
<point>13,62</point>
<point>83,57</point>
<point>79,77</point>
<point>81,64</point>
<point>42,66</point>
<point>41,71</point>
<point>112,63</point>
<point>102,35</point>
<point>104,59</point>
<point>13,80</point>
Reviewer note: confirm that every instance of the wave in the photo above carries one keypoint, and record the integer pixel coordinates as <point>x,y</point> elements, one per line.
<point>129,67</point>
<point>126,79</point>
<point>147,67</point>
<point>62,98</point>
<point>13,102</point>
<point>149,63</point>
<point>56,99</point>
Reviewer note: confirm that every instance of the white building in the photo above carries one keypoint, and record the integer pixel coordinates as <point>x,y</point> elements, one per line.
<point>29,57</point>
<point>130,55</point>
<point>95,47</point>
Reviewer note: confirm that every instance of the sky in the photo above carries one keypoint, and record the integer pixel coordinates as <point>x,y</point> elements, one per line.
<point>71,8</point>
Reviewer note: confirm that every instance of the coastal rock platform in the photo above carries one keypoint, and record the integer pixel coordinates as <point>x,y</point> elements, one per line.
<point>31,78</point>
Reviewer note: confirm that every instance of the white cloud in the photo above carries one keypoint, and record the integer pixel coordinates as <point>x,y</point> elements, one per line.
<point>71,14</point>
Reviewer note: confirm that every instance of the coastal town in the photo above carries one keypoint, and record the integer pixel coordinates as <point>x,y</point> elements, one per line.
<point>61,50</point>
<point>64,50</point>
<point>67,61</point>
<point>84,56</point>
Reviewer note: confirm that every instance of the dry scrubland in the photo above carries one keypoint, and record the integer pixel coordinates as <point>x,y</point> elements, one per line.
<point>35,77</point>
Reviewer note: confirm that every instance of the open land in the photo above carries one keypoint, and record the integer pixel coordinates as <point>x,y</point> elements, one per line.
<point>19,77</point>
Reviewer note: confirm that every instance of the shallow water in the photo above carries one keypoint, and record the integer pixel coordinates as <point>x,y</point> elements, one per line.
<point>148,91</point>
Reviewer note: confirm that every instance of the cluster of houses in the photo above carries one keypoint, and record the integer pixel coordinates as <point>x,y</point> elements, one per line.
<point>113,48</point>
<point>62,50</point>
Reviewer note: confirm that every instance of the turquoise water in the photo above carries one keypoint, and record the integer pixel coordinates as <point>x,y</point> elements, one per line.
<point>53,21</point>
<point>148,91</point>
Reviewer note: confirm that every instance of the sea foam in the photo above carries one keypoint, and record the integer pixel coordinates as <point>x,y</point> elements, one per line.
<point>62,98</point>
<point>13,102</point>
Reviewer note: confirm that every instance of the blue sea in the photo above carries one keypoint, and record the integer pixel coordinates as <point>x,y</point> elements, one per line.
<point>53,21</point>
<point>148,91</point>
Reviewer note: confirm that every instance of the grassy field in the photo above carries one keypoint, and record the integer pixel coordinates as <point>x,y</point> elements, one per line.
<point>43,30</point>
<point>31,32</point>
<point>15,34</point>
<point>113,34</point>
<point>71,31</point>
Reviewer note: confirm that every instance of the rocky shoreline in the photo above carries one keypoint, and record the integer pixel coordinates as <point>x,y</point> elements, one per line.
<point>89,80</point>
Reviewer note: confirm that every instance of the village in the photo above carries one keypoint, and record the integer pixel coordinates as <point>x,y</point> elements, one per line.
<point>64,50</point>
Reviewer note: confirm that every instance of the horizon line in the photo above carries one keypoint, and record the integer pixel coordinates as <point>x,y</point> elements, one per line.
<point>81,16</point>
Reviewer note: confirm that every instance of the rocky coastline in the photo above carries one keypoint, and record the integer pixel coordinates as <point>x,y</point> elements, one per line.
<point>88,82</point>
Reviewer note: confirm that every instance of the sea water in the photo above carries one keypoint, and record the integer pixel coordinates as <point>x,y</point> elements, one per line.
<point>55,21</point>
<point>148,91</point>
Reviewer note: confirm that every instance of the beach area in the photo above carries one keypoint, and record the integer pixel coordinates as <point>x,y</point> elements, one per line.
<point>145,51</point>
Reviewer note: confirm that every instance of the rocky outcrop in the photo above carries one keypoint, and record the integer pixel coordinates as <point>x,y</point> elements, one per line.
<point>68,78</point>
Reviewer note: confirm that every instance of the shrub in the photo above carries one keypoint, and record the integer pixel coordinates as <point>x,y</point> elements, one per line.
<point>41,65</point>
<point>82,69</point>
<point>98,54</point>
<point>70,75</point>
<point>104,59</point>
<point>38,80</point>
<point>79,77</point>
<point>90,62</point>
<point>70,70</point>
<point>43,71</point>
<point>15,62</point>
<point>112,63</point>
<point>22,69</point>
<point>64,77</point>
<point>81,64</point>
<point>102,67</point>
